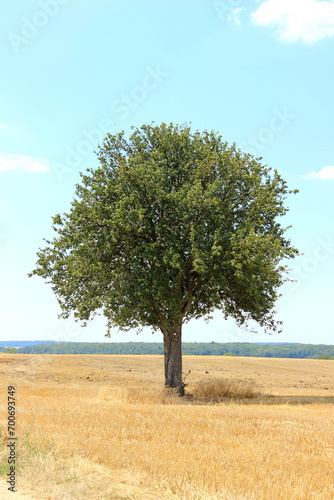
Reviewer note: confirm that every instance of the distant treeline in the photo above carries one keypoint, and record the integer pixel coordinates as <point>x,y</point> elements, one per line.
<point>201,349</point>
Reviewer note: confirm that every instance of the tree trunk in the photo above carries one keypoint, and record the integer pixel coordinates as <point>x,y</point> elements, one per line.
<point>173,358</point>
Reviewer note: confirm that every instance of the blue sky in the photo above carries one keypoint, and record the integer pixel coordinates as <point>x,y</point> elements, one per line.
<point>259,72</point>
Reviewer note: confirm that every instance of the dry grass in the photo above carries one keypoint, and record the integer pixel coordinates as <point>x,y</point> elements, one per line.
<point>102,428</point>
<point>219,390</point>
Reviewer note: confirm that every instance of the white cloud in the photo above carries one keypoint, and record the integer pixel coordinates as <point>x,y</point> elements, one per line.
<point>307,21</point>
<point>21,162</point>
<point>234,16</point>
<point>324,174</point>
<point>3,126</point>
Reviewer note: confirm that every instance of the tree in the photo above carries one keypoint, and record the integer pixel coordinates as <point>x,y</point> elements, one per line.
<point>171,226</point>
<point>11,350</point>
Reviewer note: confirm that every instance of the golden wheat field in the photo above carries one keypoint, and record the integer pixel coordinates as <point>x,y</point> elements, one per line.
<point>102,428</point>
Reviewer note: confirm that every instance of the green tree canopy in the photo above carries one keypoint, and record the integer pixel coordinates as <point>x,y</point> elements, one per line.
<point>172,225</point>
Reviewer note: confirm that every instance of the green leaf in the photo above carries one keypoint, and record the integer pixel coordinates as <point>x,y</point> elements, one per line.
<point>170,226</point>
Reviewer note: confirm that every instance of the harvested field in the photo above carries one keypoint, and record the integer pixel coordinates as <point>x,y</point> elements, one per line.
<point>101,427</point>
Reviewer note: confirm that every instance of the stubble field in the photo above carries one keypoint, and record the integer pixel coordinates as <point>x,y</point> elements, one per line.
<point>102,428</point>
